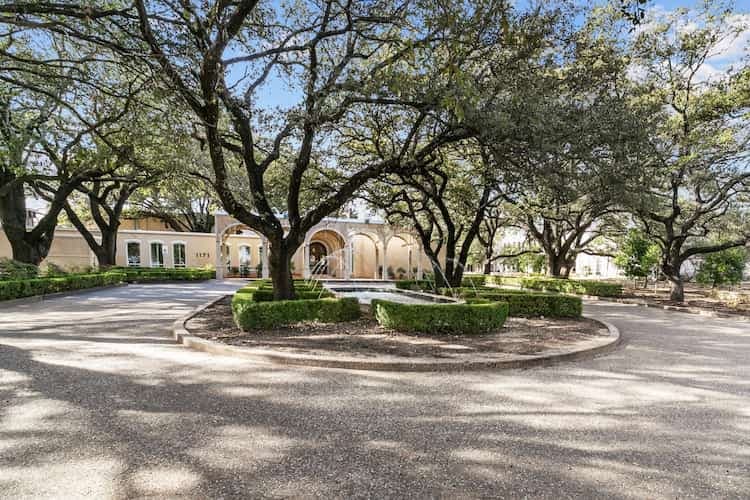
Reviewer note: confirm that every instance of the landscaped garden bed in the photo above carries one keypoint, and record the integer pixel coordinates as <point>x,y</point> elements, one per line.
<point>365,338</point>
<point>734,303</point>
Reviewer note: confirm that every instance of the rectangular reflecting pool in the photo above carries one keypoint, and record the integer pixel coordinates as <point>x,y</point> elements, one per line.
<point>366,295</point>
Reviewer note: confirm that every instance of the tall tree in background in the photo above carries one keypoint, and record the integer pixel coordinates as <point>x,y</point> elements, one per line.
<point>447,197</point>
<point>698,200</point>
<point>582,147</point>
<point>180,199</point>
<point>445,204</point>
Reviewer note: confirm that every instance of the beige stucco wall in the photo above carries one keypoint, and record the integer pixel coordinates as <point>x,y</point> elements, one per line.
<point>69,249</point>
<point>200,248</point>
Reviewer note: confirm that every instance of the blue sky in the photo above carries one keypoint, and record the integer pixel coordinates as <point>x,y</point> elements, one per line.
<point>276,94</point>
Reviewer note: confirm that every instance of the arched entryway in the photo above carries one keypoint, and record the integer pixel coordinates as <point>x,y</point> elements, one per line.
<point>365,255</point>
<point>327,254</point>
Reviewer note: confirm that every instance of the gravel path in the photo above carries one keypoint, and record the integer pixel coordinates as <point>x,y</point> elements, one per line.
<point>97,401</point>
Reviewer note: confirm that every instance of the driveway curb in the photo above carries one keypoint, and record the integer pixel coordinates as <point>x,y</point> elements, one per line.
<point>183,336</point>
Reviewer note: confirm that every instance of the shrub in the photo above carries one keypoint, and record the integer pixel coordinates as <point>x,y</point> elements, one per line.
<point>467,291</point>
<point>526,304</point>
<point>14,289</point>
<point>15,270</point>
<point>148,274</point>
<point>416,285</point>
<point>503,280</point>
<point>473,280</point>
<point>723,268</point>
<point>461,319</point>
<point>249,314</point>
<point>266,294</point>
<point>580,287</point>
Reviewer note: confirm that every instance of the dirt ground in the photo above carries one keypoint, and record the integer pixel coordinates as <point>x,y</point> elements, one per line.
<point>695,296</point>
<point>368,339</point>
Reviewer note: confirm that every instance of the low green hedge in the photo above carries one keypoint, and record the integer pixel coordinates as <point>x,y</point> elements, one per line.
<point>416,285</point>
<point>461,319</point>
<point>266,294</point>
<point>249,314</point>
<point>504,280</point>
<point>146,274</point>
<point>579,287</point>
<point>530,304</point>
<point>16,289</point>
<point>474,280</point>
<point>429,285</point>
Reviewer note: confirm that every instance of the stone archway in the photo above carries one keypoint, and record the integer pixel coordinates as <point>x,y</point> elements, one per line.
<point>225,227</point>
<point>327,254</point>
<point>365,260</point>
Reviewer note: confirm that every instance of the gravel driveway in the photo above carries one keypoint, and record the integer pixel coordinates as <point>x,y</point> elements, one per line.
<point>97,401</point>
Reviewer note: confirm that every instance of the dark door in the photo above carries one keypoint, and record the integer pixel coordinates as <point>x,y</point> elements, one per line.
<point>318,258</point>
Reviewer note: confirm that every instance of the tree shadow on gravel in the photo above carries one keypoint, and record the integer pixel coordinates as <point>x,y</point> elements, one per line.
<point>332,433</point>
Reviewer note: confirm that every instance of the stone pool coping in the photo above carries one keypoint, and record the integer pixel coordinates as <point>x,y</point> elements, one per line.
<point>511,361</point>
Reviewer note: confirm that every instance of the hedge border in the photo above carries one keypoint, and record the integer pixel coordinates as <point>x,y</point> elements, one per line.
<point>534,304</point>
<point>263,355</point>
<point>21,289</point>
<point>151,274</point>
<point>575,286</point>
<point>455,319</point>
<point>250,315</point>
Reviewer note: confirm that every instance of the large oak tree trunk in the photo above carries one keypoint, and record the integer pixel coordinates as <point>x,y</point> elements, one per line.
<point>26,247</point>
<point>671,271</point>
<point>280,270</point>
<point>677,290</point>
<point>106,252</point>
<point>559,267</point>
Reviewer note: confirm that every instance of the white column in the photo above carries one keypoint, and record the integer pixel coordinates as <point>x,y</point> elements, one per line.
<point>384,261</point>
<point>420,272</point>
<point>265,271</point>
<point>219,263</point>
<point>347,259</point>
<point>306,260</point>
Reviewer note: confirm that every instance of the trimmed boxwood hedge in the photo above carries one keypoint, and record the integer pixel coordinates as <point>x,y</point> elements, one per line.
<point>543,283</point>
<point>473,280</point>
<point>529,304</point>
<point>266,294</point>
<point>460,319</point>
<point>147,274</point>
<point>16,289</point>
<point>416,285</point>
<point>249,314</point>
<point>579,287</point>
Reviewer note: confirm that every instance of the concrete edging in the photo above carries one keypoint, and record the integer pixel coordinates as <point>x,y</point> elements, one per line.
<point>183,336</point>
<point>41,298</point>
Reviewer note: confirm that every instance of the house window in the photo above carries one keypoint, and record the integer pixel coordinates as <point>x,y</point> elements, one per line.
<point>178,254</point>
<point>157,254</point>
<point>134,254</point>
